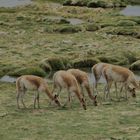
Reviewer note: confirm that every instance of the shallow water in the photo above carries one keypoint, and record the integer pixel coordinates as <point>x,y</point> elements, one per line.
<point>14,3</point>
<point>11,79</point>
<point>75,21</point>
<point>131,11</point>
<point>72,21</point>
<point>7,78</point>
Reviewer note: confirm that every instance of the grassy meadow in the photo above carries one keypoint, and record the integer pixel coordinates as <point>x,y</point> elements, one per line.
<point>34,37</point>
<point>44,36</point>
<point>110,120</point>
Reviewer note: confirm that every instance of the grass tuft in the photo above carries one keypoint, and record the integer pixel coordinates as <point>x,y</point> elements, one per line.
<point>28,71</point>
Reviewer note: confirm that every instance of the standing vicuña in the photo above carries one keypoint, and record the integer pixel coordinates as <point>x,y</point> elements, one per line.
<point>114,73</point>
<point>83,80</point>
<point>30,82</point>
<point>97,72</point>
<point>64,79</point>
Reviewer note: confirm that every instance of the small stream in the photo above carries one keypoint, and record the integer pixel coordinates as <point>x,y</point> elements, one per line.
<point>10,79</point>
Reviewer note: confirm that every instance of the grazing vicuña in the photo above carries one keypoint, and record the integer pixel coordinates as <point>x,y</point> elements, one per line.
<point>31,82</point>
<point>64,79</point>
<point>83,80</point>
<point>116,74</point>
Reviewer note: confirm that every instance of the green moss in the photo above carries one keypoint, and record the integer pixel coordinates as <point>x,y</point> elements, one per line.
<point>23,35</point>
<point>67,2</point>
<point>6,68</point>
<point>60,1</point>
<point>96,4</point>
<point>68,29</point>
<point>118,60</point>
<point>49,29</point>
<point>54,20</point>
<point>126,23</point>
<point>7,10</point>
<point>89,62</point>
<point>92,27</point>
<point>89,3</point>
<point>45,65</point>
<point>131,56</point>
<point>126,31</point>
<point>63,21</point>
<point>132,1</point>
<point>76,2</point>
<point>137,20</point>
<point>55,64</point>
<point>28,71</point>
<point>103,25</point>
<point>63,29</point>
<point>1,73</point>
<point>106,4</point>
<point>135,65</point>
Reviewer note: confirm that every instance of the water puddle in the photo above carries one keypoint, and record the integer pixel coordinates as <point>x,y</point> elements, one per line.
<point>131,11</point>
<point>14,3</point>
<point>72,21</point>
<point>7,78</point>
<point>75,21</point>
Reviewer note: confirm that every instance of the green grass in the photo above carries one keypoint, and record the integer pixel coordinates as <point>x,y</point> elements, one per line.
<point>28,39</point>
<point>116,120</point>
<point>28,36</point>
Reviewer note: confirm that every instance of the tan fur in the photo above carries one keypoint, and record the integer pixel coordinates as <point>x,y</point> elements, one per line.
<point>31,82</point>
<point>113,73</point>
<point>64,79</point>
<point>82,79</point>
<point>97,70</point>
